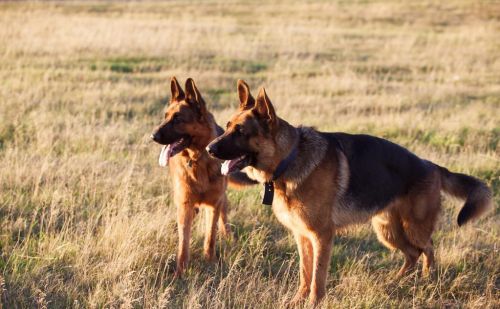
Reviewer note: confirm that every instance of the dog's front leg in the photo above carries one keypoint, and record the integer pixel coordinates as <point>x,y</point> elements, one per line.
<point>185,216</point>
<point>212,215</point>
<point>306,267</point>
<point>322,246</point>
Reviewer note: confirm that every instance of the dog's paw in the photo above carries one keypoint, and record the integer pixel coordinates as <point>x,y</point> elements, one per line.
<point>178,274</point>
<point>210,256</point>
<point>298,299</point>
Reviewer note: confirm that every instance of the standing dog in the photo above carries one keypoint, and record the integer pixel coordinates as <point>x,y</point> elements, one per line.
<point>185,132</point>
<point>327,181</point>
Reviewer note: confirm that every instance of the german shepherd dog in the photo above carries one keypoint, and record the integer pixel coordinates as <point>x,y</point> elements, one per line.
<point>325,182</point>
<point>197,181</point>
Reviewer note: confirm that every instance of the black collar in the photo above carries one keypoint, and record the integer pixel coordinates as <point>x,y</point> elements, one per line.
<point>282,166</point>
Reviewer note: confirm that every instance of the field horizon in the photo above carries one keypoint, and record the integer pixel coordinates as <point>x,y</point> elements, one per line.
<point>87,218</point>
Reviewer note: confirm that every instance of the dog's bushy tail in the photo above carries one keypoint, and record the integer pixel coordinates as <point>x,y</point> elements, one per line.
<point>477,195</point>
<point>239,179</point>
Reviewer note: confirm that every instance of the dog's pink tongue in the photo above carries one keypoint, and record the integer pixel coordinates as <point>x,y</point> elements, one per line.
<point>227,166</point>
<point>165,154</point>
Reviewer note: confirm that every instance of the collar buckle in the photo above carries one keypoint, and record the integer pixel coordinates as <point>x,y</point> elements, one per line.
<point>268,193</point>
<point>282,166</point>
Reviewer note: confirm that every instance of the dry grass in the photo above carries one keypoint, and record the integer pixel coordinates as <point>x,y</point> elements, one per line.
<point>85,212</point>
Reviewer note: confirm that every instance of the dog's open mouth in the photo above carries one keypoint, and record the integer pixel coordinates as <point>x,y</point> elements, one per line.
<point>231,166</point>
<point>170,150</point>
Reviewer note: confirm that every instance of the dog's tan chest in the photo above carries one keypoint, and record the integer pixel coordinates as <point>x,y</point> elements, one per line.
<point>291,215</point>
<point>197,178</point>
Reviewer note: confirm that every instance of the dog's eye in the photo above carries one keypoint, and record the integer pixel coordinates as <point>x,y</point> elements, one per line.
<point>228,124</point>
<point>239,129</point>
<point>176,119</point>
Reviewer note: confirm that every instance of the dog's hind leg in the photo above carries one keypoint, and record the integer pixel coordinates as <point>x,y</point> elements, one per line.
<point>429,260</point>
<point>390,232</point>
<point>185,216</point>
<point>419,223</point>
<point>419,235</point>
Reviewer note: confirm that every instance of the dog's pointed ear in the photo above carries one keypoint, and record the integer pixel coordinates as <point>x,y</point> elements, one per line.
<point>193,96</point>
<point>176,90</point>
<point>246,99</point>
<point>264,108</point>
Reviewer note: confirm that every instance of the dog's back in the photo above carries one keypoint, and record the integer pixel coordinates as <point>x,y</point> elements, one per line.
<point>381,171</point>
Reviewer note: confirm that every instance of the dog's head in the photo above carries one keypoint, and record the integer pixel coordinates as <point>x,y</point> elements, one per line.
<point>249,139</point>
<point>185,121</point>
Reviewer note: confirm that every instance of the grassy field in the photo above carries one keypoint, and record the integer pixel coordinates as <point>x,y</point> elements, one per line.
<point>86,215</point>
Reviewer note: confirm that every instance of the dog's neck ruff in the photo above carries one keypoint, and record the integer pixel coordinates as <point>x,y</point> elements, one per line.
<point>282,166</point>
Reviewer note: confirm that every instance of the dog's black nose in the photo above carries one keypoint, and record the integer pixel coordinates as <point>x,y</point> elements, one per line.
<point>211,149</point>
<point>155,136</point>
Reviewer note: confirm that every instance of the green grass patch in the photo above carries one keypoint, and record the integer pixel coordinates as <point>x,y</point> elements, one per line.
<point>7,134</point>
<point>126,65</point>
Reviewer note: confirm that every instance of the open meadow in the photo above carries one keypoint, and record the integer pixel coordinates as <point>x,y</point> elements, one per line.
<point>86,214</point>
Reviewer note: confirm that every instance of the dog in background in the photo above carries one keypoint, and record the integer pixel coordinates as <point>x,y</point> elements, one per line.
<point>325,182</point>
<point>186,130</point>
